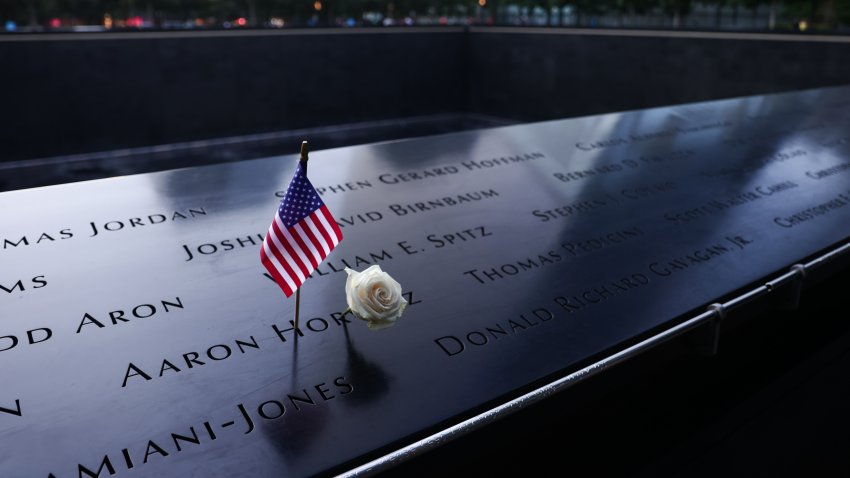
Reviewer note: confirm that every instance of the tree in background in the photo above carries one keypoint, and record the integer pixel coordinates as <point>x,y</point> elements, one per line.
<point>828,14</point>
<point>586,9</point>
<point>676,9</point>
<point>630,8</point>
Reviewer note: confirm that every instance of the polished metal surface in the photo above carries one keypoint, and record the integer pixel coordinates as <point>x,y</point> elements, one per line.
<point>714,315</point>
<point>139,335</point>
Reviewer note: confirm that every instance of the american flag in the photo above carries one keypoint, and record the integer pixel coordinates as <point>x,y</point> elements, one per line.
<point>301,235</point>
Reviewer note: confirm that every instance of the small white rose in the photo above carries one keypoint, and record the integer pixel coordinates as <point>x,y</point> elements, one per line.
<point>374,296</point>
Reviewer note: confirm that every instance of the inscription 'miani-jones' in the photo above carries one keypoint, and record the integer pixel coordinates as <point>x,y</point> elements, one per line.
<point>303,400</point>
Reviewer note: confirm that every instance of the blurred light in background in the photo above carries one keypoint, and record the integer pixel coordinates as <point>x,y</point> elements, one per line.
<point>743,15</point>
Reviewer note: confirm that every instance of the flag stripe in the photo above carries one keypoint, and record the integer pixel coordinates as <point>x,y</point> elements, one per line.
<point>287,239</point>
<point>308,248</point>
<point>326,228</point>
<point>282,280</point>
<point>286,250</point>
<point>310,221</point>
<point>273,255</point>
<point>328,243</point>
<point>293,239</point>
<point>334,226</point>
<point>289,266</point>
<point>265,260</point>
<point>310,239</point>
<point>314,241</point>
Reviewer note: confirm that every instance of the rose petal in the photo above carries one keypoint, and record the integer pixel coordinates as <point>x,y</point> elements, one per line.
<point>373,295</point>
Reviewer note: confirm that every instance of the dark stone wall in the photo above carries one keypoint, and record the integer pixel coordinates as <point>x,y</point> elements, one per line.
<point>66,96</point>
<point>528,75</point>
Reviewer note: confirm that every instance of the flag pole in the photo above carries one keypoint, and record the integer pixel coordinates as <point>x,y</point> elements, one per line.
<point>305,149</point>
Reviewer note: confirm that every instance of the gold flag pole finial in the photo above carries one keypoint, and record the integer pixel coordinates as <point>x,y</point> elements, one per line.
<point>305,150</point>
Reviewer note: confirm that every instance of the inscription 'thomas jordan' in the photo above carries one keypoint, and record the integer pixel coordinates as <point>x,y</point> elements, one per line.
<point>101,228</point>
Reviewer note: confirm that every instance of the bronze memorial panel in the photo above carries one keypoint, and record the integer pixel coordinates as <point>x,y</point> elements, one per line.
<point>139,335</point>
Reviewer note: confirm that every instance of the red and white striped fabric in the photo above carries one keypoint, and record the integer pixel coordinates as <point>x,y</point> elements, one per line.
<point>300,237</point>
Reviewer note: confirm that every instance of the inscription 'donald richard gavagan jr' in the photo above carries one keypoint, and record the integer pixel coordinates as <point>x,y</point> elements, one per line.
<point>141,301</point>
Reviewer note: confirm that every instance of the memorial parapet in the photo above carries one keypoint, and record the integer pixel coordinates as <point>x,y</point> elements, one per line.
<point>140,333</point>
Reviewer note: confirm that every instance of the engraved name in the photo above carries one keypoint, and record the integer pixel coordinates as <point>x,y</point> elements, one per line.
<point>92,321</point>
<point>441,240</point>
<point>455,344</point>
<point>650,135</point>
<point>719,205</point>
<point>224,245</point>
<point>756,165</point>
<point>396,178</point>
<point>814,212</point>
<point>238,422</point>
<point>827,172</point>
<point>117,317</point>
<point>21,285</point>
<point>602,241</point>
<point>670,266</point>
<point>189,360</point>
<point>149,220</point>
<point>101,228</point>
<point>442,202</point>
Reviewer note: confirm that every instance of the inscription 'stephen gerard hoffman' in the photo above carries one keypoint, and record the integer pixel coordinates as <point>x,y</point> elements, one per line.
<point>142,303</point>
